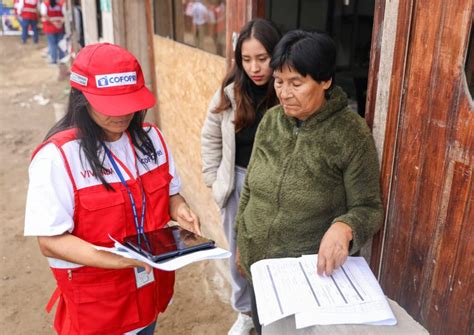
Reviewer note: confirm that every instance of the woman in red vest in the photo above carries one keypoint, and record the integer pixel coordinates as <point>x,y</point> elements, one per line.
<point>102,171</point>
<point>52,13</point>
<point>28,10</point>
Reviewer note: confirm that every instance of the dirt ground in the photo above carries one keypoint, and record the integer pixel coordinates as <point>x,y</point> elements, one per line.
<point>201,303</point>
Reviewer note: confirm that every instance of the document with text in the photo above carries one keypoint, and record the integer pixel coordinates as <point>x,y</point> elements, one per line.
<point>287,286</point>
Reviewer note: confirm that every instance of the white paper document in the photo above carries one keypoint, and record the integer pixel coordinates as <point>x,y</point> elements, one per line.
<point>287,286</point>
<point>171,264</point>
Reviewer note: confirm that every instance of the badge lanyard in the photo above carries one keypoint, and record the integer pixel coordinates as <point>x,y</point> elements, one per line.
<point>138,224</point>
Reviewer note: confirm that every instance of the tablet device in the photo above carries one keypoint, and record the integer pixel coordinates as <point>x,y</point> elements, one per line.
<point>166,243</point>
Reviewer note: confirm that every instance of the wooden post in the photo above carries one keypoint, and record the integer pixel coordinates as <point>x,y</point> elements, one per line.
<point>151,57</point>
<point>89,20</point>
<point>238,13</point>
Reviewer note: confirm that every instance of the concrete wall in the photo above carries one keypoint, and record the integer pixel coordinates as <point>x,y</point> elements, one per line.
<point>186,79</point>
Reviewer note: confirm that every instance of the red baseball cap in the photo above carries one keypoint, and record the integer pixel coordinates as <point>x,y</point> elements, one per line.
<point>111,79</point>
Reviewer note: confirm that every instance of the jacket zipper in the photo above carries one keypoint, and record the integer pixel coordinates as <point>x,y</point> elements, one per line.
<point>296,131</point>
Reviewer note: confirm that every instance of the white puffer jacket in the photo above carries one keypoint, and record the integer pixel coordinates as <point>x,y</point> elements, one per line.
<point>218,148</point>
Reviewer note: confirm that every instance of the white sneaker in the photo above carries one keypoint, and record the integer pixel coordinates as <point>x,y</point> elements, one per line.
<point>242,326</point>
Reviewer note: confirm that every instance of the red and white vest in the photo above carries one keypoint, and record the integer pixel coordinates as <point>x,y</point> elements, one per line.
<point>103,301</point>
<point>30,10</point>
<point>54,13</point>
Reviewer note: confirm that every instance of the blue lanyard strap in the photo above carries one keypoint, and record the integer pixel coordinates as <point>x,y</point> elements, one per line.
<point>138,225</point>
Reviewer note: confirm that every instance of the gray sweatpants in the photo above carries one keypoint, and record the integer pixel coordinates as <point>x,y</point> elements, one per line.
<point>240,291</point>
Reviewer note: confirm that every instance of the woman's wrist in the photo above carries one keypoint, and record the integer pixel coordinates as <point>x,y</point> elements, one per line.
<point>345,229</point>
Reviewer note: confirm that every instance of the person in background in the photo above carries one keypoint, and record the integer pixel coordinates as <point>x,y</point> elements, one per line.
<point>200,18</point>
<point>228,134</point>
<point>78,23</point>
<point>15,8</point>
<point>28,11</point>
<point>218,28</point>
<point>312,184</point>
<point>102,172</point>
<point>188,15</point>
<point>52,14</point>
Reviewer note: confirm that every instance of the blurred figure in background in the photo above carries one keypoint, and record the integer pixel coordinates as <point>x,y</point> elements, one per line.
<point>200,18</point>
<point>218,26</point>
<point>188,15</point>
<point>52,15</point>
<point>28,11</point>
<point>15,8</point>
<point>78,25</point>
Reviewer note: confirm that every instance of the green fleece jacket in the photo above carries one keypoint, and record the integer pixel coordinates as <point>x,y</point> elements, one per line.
<point>302,180</point>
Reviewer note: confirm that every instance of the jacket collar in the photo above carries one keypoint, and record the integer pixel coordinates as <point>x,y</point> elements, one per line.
<point>229,92</point>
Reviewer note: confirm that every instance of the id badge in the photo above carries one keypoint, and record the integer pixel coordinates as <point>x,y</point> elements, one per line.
<point>142,277</point>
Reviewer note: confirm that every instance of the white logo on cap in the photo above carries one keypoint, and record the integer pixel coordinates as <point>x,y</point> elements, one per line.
<point>116,79</point>
<point>77,78</point>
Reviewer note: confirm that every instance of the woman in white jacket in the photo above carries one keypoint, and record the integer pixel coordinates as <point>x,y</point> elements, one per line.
<point>228,134</point>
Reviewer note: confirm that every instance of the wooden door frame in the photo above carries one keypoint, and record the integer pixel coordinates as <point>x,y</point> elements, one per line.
<point>394,96</point>
<point>427,166</point>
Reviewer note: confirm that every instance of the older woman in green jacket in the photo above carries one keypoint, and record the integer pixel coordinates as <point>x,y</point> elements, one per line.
<point>312,184</point>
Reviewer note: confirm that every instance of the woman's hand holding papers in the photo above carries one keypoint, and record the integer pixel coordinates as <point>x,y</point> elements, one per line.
<point>334,248</point>
<point>132,263</point>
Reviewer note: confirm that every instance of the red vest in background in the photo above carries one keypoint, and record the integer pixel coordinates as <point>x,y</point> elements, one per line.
<point>103,301</point>
<point>54,13</point>
<point>30,10</point>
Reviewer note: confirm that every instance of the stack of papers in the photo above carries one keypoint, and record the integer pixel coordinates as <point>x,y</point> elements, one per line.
<point>171,264</point>
<point>287,286</point>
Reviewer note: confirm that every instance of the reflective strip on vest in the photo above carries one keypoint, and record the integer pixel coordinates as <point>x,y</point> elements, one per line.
<point>54,13</point>
<point>30,11</point>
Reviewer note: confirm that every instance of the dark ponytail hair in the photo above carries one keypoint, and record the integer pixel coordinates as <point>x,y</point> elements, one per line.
<point>91,135</point>
<point>268,35</point>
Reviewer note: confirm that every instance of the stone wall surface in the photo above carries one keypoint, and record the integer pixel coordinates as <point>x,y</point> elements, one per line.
<point>186,80</point>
